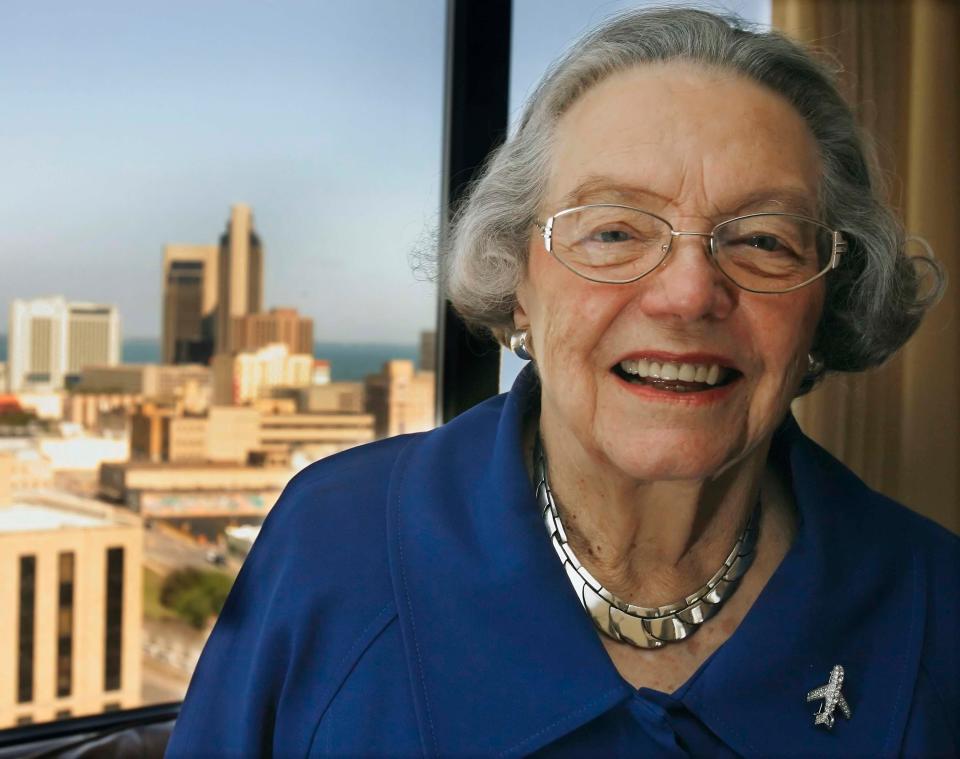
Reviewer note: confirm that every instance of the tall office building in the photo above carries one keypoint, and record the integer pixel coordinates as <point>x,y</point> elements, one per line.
<point>51,340</point>
<point>239,275</point>
<point>189,303</point>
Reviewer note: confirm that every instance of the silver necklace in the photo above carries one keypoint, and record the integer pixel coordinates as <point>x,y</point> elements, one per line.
<point>626,622</point>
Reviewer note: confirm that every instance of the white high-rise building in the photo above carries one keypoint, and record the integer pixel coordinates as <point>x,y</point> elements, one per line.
<point>93,336</point>
<point>240,378</point>
<point>51,339</point>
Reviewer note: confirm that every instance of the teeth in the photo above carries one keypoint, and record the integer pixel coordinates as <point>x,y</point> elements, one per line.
<point>669,371</point>
<point>710,374</point>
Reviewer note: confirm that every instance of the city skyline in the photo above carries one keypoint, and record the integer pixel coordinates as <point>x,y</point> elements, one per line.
<point>126,130</point>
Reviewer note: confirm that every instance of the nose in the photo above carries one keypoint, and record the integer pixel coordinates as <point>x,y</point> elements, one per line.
<point>687,285</point>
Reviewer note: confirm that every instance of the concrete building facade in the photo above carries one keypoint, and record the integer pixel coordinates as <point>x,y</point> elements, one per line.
<point>401,399</point>
<point>103,413</point>
<point>226,434</point>
<point>279,325</point>
<point>22,469</point>
<point>314,435</point>
<point>72,595</point>
<point>245,377</point>
<point>239,434</point>
<point>223,434</point>
<point>194,490</point>
<point>332,397</point>
<point>187,384</point>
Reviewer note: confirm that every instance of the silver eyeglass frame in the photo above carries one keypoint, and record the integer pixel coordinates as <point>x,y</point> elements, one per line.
<point>839,246</point>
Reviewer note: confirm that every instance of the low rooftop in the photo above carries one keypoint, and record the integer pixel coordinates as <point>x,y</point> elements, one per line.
<point>52,509</point>
<point>22,517</point>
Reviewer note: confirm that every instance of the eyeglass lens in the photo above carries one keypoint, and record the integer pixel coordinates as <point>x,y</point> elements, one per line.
<point>765,252</point>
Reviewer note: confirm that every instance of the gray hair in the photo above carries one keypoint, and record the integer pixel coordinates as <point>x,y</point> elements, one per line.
<point>873,301</point>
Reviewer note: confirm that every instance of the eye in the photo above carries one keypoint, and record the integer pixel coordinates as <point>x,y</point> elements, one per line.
<point>762,242</point>
<point>611,235</point>
<point>767,243</point>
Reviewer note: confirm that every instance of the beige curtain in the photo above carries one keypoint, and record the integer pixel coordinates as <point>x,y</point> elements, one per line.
<point>898,426</point>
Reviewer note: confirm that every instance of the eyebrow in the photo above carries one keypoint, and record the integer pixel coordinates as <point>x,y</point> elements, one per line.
<point>597,189</point>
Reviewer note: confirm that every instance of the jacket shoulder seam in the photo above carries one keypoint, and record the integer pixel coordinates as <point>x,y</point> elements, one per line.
<point>348,661</point>
<point>406,594</point>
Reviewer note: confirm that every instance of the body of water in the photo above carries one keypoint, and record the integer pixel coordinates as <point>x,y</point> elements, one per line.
<point>348,361</point>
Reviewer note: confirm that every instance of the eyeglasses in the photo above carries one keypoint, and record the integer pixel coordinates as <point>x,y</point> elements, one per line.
<point>759,252</point>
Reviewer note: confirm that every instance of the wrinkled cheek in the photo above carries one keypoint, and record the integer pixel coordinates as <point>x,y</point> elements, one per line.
<point>565,368</point>
<point>558,355</point>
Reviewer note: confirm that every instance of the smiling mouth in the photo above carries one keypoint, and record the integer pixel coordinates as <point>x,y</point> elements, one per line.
<point>675,377</point>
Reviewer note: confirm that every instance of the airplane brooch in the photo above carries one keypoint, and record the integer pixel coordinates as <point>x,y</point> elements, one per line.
<point>832,699</point>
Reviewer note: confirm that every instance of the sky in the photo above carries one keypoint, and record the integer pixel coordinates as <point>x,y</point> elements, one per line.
<point>128,126</point>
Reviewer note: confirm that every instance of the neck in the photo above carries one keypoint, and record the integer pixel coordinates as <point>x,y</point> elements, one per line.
<point>651,542</point>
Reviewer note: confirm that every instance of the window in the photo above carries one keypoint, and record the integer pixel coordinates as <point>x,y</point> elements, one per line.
<point>65,625</point>
<point>114,620</point>
<point>259,182</point>
<point>28,594</point>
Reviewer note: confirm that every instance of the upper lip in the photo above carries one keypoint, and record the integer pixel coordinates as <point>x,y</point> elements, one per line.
<point>680,358</point>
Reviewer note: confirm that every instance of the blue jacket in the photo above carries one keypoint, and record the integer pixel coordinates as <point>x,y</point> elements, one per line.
<point>403,599</point>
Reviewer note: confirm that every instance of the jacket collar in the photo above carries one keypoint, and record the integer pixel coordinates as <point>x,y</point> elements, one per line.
<point>503,659</point>
<point>838,597</point>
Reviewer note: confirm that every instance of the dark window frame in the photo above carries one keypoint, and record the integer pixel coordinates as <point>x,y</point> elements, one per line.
<point>476,103</point>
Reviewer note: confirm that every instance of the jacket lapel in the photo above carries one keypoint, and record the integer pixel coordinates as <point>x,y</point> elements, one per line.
<point>838,597</point>
<point>502,658</point>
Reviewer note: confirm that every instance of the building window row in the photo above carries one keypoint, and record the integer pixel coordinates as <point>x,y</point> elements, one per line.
<point>64,624</point>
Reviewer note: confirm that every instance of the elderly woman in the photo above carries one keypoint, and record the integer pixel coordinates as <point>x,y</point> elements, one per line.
<point>636,550</point>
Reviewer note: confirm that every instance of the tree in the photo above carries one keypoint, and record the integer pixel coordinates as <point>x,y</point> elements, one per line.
<point>194,594</point>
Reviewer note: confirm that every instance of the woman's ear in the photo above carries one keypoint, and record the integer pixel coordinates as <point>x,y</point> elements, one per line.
<point>521,320</point>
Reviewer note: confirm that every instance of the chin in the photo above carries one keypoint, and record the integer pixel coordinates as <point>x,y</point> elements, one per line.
<point>674,455</point>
